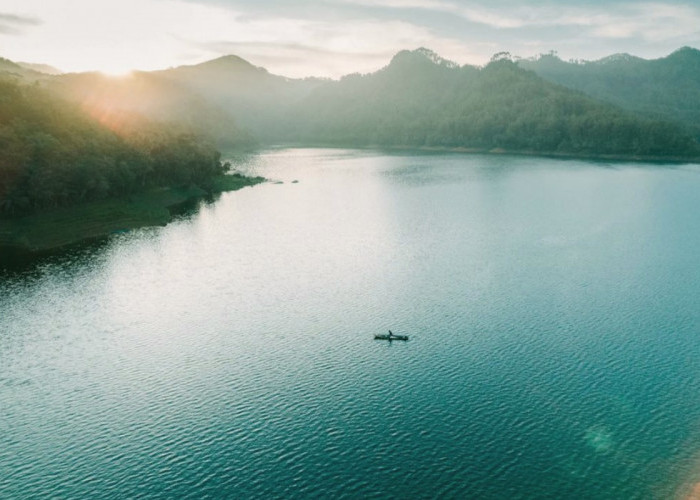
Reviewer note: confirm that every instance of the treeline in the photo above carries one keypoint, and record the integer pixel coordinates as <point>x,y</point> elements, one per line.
<point>418,100</point>
<point>422,100</point>
<point>666,88</point>
<point>55,154</point>
<point>76,138</point>
<point>154,97</point>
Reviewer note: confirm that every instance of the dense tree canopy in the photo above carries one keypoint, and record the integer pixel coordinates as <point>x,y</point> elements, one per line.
<point>55,154</point>
<point>666,88</point>
<point>422,100</point>
<point>73,138</point>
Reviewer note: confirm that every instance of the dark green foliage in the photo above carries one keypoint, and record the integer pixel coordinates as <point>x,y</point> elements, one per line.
<point>109,137</point>
<point>418,100</point>
<point>54,154</point>
<point>666,88</point>
<point>422,100</point>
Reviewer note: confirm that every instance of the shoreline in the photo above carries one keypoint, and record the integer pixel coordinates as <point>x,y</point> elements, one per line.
<point>654,159</point>
<point>690,486</point>
<point>52,230</point>
<point>689,490</point>
<point>572,156</point>
<point>693,493</point>
<point>49,231</point>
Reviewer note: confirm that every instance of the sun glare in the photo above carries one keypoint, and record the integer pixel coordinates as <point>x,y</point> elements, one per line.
<point>117,71</point>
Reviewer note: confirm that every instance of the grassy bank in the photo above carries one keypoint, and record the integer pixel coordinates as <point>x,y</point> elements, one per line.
<point>50,230</point>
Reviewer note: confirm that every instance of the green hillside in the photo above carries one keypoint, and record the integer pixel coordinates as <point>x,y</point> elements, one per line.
<point>420,99</point>
<point>54,154</point>
<point>666,88</point>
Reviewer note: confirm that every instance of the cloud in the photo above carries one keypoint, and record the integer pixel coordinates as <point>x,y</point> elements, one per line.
<point>12,24</point>
<point>652,22</point>
<point>13,18</point>
<point>301,47</point>
<point>647,20</point>
<point>288,58</point>
<point>112,35</point>
<point>334,37</point>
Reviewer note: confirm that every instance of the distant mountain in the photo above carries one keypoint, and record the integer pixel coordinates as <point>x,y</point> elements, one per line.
<point>146,94</point>
<point>153,97</point>
<point>420,99</point>
<point>13,70</point>
<point>41,68</point>
<point>254,96</point>
<point>421,57</point>
<point>667,88</point>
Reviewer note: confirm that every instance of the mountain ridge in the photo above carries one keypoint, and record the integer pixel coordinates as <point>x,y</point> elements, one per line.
<point>663,88</point>
<point>417,99</point>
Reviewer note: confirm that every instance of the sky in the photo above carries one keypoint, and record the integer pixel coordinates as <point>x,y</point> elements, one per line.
<point>330,38</point>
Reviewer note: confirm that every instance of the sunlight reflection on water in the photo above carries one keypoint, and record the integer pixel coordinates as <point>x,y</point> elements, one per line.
<point>552,308</point>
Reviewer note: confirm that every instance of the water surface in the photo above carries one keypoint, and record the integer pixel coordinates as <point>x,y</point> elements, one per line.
<point>553,308</point>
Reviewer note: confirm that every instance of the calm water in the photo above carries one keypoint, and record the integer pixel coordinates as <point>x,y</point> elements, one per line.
<point>553,308</point>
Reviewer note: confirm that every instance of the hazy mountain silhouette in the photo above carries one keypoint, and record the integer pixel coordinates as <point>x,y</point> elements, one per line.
<point>667,88</point>
<point>257,98</point>
<point>41,68</point>
<point>419,99</point>
<point>153,97</point>
<point>10,69</point>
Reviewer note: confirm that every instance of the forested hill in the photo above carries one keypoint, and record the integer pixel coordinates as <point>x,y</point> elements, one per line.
<point>55,154</point>
<point>420,99</point>
<point>256,98</point>
<point>75,137</point>
<point>18,71</point>
<point>153,97</point>
<point>667,88</point>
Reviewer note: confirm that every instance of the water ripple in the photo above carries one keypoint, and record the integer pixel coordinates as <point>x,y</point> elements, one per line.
<point>553,349</point>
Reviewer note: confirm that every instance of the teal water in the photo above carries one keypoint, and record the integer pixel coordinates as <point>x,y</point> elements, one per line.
<point>553,308</point>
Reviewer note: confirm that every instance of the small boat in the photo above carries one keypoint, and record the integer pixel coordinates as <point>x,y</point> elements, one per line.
<point>390,336</point>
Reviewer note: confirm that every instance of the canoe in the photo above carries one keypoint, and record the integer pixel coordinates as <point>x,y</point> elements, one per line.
<point>387,336</point>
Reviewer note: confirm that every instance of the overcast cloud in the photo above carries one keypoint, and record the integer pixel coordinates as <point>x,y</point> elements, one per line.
<point>333,37</point>
<point>12,24</point>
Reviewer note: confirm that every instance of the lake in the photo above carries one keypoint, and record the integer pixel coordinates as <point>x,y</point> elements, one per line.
<point>553,309</point>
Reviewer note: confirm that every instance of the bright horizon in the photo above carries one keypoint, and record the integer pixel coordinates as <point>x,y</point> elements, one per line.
<point>333,37</point>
